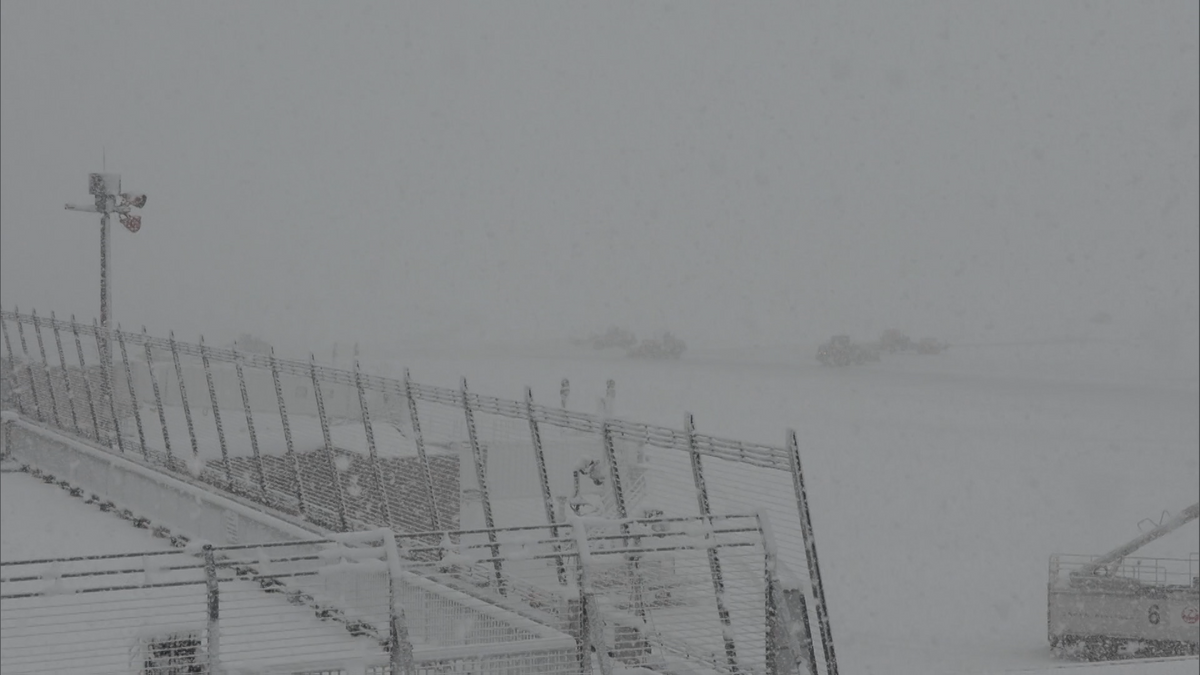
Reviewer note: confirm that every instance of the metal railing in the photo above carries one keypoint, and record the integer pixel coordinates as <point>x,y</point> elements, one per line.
<point>348,450</point>
<point>1145,571</point>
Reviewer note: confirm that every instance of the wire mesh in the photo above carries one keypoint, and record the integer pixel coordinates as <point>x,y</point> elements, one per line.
<point>309,606</point>
<point>297,440</point>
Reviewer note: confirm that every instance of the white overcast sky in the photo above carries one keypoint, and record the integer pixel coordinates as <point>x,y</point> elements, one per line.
<point>739,173</point>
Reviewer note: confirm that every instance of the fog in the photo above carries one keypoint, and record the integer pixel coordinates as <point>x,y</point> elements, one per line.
<point>740,174</point>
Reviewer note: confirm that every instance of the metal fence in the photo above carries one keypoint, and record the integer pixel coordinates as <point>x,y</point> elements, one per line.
<point>329,606</point>
<point>203,609</point>
<point>639,593</point>
<point>347,450</point>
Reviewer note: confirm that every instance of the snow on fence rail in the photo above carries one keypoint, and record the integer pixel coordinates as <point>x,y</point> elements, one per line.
<point>347,450</point>
<point>329,605</point>
<point>637,593</point>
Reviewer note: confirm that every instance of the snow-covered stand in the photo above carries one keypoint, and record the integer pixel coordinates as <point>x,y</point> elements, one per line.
<point>1103,607</point>
<point>344,580</point>
<point>230,447</point>
<point>163,500</point>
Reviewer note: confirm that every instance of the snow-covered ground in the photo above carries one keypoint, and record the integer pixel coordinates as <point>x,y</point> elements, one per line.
<point>939,485</point>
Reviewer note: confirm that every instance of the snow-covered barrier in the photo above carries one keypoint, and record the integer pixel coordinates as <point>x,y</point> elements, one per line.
<point>662,592</point>
<point>344,450</point>
<point>341,604</point>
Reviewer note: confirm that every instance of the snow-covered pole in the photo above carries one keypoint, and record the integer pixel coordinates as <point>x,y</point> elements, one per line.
<point>158,401</point>
<point>287,437</point>
<point>610,452</point>
<point>216,411</point>
<point>422,457</point>
<point>62,363</point>
<point>258,466</point>
<point>481,480</point>
<point>37,331</point>
<point>400,647</point>
<point>591,623</point>
<point>187,411</point>
<point>105,308</point>
<point>789,645</point>
<point>12,360</point>
<point>372,453</point>
<point>7,440</point>
<point>339,494</point>
<point>810,550</point>
<point>539,457</point>
<point>107,389</point>
<point>614,471</point>
<point>714,560</point>
<point>87,381</point>
<point>133,401</point>
<point>213,588</point>
<point>105,188</point>
<point>37,404</point>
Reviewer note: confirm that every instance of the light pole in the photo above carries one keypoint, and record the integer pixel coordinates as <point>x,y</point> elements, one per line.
<point>106,189</point>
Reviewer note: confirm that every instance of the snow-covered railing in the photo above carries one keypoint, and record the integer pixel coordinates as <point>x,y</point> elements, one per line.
<point>348,450</point>
<point>326,605</point>
<point>694,594</point>
<point>204,608</point>
<point>674,594</point>
<point>1145,571</point>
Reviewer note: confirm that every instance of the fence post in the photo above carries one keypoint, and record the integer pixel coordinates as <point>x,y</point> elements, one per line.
<point>786,651</point>
<point>287,437</point>
<point>87,381</point>
<point>12,358</point>
<point>158,402</point>
<point>37,331</point>
<point>610,452</point>
<point>62,363</point>
<point>810,551</point>
<point>104,346</point>
<point>423,458</point>
<point>337,480</point>
<point>400,646</point>
<point>714,560</point>
<point>216,411</point>
<point>197,466</point>
<point>544,478</point>
<point>212,585</point>
<point>258,467</point>
<point>133,401</point>
<point>37,404</point>
<point>591,623</point>
<point>371,452</point>
<point>614,471</point>
<point>481,478</point>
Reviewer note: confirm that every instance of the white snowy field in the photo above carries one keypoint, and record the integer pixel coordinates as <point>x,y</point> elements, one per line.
<point>939,485</point>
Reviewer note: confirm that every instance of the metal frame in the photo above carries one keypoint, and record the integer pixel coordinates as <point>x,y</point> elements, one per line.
<point>607,431</point>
